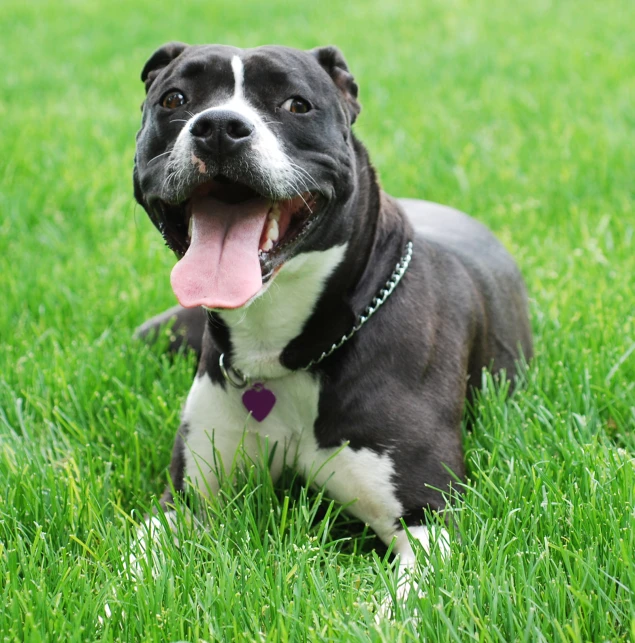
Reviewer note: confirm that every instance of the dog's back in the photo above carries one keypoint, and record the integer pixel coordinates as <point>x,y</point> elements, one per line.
<point>506,333</point>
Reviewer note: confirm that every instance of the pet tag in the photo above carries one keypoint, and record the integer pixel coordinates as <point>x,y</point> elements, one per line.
<point>259,401</point>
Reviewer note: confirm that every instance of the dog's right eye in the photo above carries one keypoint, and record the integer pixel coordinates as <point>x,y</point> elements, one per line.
<point>173,99</point>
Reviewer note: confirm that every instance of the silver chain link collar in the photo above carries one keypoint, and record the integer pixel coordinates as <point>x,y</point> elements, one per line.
<point>239,380</point>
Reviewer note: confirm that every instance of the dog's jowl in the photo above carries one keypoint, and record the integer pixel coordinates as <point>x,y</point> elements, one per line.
<point>338,323</point>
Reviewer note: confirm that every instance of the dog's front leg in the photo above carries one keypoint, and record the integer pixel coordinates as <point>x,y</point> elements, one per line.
<point>215,438</point>
<point>364,480</point>
<point>217,435</point>
<point>431,540</point>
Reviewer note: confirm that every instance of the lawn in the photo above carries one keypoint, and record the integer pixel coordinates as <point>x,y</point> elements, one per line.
<point>518,113</point>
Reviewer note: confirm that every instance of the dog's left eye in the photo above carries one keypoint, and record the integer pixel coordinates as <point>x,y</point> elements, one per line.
<point>173,99</point>
<point>296,105</point>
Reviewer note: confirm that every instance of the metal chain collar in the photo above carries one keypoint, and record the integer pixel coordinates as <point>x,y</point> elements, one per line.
<point>240,380</point>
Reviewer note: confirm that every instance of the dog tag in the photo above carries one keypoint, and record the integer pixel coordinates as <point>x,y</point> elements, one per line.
<point>259,401</point>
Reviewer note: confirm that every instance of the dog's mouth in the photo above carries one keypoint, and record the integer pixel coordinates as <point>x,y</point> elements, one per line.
<point>231,240</point>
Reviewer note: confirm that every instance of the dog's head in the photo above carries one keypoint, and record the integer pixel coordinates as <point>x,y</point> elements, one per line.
<point>244,159</point>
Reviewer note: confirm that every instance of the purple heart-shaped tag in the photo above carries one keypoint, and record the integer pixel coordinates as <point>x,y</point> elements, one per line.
<point>259,401</point>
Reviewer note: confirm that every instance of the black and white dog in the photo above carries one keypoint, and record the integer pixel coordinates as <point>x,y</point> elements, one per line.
<point>338,323</point>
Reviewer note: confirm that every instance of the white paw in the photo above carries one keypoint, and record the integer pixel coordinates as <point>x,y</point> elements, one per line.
<point>146,551</point>
<point>413,551</point>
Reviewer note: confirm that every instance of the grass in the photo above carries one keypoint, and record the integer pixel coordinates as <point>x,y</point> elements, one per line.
<point>520,114</point>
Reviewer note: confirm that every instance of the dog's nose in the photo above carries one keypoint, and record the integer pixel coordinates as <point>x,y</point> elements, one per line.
<point>222,132</point>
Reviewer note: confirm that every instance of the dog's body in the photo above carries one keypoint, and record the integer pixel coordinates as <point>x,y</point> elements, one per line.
<point>377,422</point>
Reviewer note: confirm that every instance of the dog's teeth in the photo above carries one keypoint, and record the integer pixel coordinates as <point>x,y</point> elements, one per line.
<point>274,214</point>
<point>268,244</point>
<point>272,230</point>
<point>189,228</point>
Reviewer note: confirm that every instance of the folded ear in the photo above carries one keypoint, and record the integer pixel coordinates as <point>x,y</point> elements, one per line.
<point>333,62</point>
<point>161,58</point>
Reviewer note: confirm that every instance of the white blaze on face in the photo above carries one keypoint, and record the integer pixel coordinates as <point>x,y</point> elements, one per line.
<point>239,77</point>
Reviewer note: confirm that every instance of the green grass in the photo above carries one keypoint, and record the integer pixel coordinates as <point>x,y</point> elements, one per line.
<point>519,113</point>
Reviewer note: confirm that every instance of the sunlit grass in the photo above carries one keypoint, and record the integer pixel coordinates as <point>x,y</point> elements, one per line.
<point>522,115</point>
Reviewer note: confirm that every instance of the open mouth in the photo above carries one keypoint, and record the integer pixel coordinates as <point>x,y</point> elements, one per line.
<point>231,240</point>
<point>287,220</point>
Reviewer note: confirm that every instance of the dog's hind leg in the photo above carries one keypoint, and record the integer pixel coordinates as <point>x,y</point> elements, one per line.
<point>185,327</point>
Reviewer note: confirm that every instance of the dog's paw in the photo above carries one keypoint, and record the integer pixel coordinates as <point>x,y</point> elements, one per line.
<point>146,551</point>
<point>416,552</point>
<point>406,579</point>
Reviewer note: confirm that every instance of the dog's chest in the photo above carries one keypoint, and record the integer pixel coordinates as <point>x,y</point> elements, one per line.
<point>223,409</point>
<point>219,429</point>
<point>215,415</point>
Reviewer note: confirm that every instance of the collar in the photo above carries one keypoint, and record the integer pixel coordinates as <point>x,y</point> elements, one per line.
<point>238,379</point>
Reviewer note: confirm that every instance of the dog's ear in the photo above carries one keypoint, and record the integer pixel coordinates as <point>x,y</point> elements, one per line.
<point>333,62</point>
<point>161,58</point>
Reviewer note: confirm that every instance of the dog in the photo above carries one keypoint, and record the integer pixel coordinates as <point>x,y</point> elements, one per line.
<point>341,325</point>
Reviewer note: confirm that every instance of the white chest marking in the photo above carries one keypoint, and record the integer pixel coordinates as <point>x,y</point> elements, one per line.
<point>219,428</point>
<point>260,332</point>
<point>216,418</point>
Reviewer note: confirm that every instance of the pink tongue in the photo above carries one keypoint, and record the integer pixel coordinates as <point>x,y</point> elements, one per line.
<point>221,268</point>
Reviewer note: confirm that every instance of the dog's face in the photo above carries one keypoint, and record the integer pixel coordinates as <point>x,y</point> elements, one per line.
<point>244,159</point>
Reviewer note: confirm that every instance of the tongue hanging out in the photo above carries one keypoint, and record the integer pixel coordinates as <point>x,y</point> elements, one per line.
<point>221,268</point>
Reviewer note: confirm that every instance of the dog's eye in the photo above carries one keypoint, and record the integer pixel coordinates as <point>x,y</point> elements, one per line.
<point>296,105</point>
<point>173,99</point>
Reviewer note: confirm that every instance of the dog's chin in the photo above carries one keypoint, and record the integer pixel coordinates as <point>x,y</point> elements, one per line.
<point>295,218</point>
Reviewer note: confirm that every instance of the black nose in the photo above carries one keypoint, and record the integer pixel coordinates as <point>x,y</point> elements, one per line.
<point>221,132</point>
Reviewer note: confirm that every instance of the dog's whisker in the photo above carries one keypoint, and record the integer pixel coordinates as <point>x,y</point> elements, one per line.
<point>159,156</point>
<point>299,168</point>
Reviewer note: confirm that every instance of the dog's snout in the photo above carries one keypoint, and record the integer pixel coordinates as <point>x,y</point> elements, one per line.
<point>222,132</point>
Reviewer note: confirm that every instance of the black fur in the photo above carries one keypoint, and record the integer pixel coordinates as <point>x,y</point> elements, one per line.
<point>400,384</point>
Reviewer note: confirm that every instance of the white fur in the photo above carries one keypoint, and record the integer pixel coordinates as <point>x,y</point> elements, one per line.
<point>428,537</point>
<point>431,539</point>
<point>217,420</point>
<point>219,427</point>
<point>260,332</point>
<point>361,477</point>
<point>410,576</point>
<point>239,77</point>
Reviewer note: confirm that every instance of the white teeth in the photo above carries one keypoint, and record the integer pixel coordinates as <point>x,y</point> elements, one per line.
<point>272,230</point>
<point>189,228</point>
